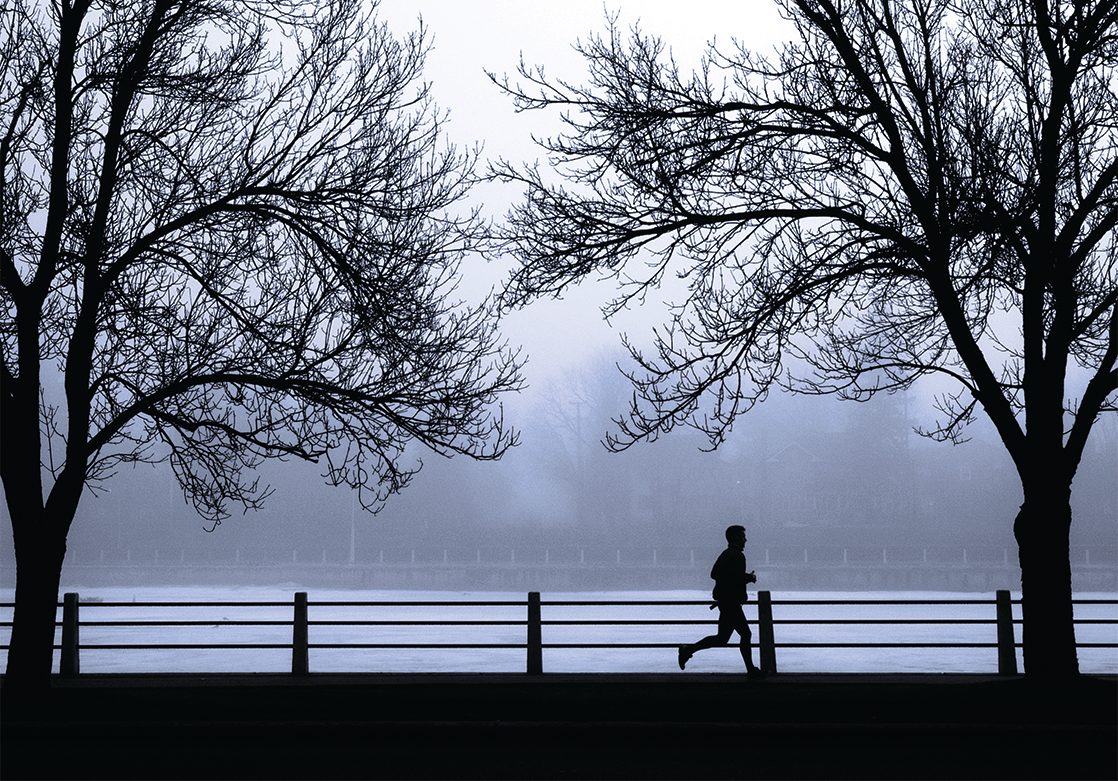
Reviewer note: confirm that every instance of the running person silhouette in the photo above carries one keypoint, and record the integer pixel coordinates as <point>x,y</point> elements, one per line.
<point>730,581</point>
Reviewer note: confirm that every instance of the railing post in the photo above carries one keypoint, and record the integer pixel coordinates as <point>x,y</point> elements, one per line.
<point>1007,652</point>
<point>70,664</point>
<point>767,641</point>
<point>300,661</point>
<point>535,635</point>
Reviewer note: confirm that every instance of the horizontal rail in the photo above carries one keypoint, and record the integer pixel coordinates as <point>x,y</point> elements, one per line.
<point>607,603</point>
<point>779,645</point>
<point>173,603</point>
<point>623,602</point>
<point>576,622</point>
<point>951,621</point>
<point>572,603</point>
<point>884,601</point>
<point>448,646</point>
<point>300,622</point>
<point>418,622</point>
<point>422,603</point>
<point>514,646</point>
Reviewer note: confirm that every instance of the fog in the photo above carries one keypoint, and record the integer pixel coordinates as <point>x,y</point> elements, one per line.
<point>795,470</point>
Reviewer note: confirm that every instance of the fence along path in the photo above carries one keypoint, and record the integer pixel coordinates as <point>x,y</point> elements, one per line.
<point>1081,556</point>
<point>533,619</point>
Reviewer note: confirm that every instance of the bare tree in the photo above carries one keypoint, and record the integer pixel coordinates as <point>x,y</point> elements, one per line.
<point>236,231</point>
<point>908,189</point>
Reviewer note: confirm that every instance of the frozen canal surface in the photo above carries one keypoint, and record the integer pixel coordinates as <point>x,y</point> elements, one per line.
<point>210,629</point>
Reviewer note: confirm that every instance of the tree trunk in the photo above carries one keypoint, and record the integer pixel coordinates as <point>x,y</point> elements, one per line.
<point>40,551</point>
<point>1042,529</point>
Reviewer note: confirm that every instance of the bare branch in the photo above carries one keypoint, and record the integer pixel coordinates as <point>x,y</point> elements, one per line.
<point>249,252</point>
<point>909,189</point>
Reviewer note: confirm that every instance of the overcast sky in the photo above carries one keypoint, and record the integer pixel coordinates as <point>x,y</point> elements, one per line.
<point>470,38</point>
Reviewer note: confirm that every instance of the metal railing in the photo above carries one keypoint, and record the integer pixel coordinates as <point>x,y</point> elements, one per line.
<point>300,623</point>
<point>572,556</point>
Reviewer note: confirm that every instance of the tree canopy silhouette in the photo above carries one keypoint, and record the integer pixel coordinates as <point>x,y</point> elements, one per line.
<point>235,228</point>
<point>907,189</point>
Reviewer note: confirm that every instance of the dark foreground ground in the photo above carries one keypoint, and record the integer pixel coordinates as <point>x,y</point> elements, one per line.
<point>562,726</point>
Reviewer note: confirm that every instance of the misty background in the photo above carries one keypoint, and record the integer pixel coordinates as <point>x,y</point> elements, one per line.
<point>796,470</point>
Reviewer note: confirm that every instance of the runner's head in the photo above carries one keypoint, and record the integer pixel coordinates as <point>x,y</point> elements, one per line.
<point>735,536</point>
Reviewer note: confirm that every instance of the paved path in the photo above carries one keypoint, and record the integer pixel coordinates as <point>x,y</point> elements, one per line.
<point>563,726</point>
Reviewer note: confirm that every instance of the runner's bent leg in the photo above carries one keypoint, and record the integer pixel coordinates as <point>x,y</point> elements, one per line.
<point>725,629</point>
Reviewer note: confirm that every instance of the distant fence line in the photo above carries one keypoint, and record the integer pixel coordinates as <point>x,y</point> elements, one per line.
<point>570,556</point>
<point>1001,618</point>
<point>974,568</point>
